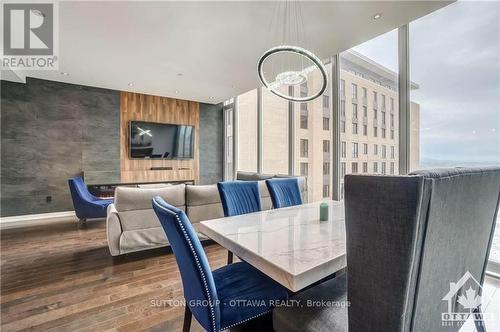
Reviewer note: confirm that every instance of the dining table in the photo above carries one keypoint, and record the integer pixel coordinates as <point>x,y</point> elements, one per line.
<point>290,245</point>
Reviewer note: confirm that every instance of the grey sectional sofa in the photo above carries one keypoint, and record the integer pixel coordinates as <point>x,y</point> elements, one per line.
<point>133,226</point>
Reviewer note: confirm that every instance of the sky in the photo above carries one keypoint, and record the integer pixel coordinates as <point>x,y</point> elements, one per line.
<point>455,59</point>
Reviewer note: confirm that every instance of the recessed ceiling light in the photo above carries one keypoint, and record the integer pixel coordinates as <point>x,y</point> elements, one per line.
<point>64,73</point>
<point>377,16</point>
<point>131,84</point>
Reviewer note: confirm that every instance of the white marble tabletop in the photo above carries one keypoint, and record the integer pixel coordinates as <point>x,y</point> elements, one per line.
<point>290,245</point>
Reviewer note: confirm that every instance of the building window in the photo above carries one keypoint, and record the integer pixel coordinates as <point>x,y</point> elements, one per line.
<point>304,90</point>
<point>375,114</point>
<point>354,91</point>
<point>303,121</point>
<point>383,132</point>
<point>326,146</point>
<point>342,126</point>
<point>343,149</point>
<point>365,130</point>
<point>326,123</point>
<point>365,148</point>
<point>365,111</point>
<point>326,190</point>
<point>375,132</point>
<point>392,152</point>
<point>375,167</point>
<point>392,104</point>
<point>354,168</point>
<point>342,169</point>
<point>375,149</point>
<point>342,108</point>
<point>384,152</point>
<point>392,120</point>
<point>355,150</point>
<point>364,93</point>
<point>326,101</point>
<point>392,168</point>
<point>392,134</point>
<point>383,167</point>
<point>304,114</point>
<point>341,191</point>
<point>326,168</point>
<point>375,98</point>
<point>342,88</point>
<point>354,111</point>
<point>304,148</point>
<point>383,117</point>
<point>355,128</point>
<point>365,167</point>
<point>383,101</point>
<point>304,169</point>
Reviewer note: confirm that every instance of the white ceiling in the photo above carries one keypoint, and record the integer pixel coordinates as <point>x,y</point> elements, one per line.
<point>214,45</point>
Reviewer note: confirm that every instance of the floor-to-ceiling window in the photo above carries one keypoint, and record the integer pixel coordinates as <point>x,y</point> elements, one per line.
<point>369,108</point>
<point>455,59</point>
<point>247,131</point>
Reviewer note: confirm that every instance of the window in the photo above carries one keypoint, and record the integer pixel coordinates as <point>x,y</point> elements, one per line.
<point>326,146</point>
<point>326,101</point>
<point>365,130</point>
<point>375,101</point>
<point>392,134</point>
<point>383,102</point>
<point>375,167</point>
<point>354,91</point>
<point>343,149</point>
<point>384,152</point>
<point>383,116</point>
<point>364,93</point>
<point>365,148</point>
<point>355,128</point>
<point>274,133</point>
<point>365,167</point>
<point>326,168</point>
<point>342,126</point>
<point>392,152</point>
<point>304,90</point>
<point>304,115</point>
<point>304,148</point>
<point>375,132</point>
<point>342,108</point>
<point>355,150</point>
<point>383,132</point>
<point>375,114</point>
<point>342,88</point>
<point>392,104</point>
<point>326,190</point>
<point>375,149</point>
<point>342,169</point>
<point>392,120</point>
<point>304,169</point>
<point>392,168</point>
<point>354,111</point>
<point>365,111</point>
<point>326,123</point>
<point>341,191</point>
<point>383,167</point>
<point>247,131</point>
<point>354,168</point>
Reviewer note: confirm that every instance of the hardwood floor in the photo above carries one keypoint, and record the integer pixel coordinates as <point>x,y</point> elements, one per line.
<point>62,278</point>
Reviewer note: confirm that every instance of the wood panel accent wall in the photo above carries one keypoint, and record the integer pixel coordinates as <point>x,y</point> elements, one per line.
<point>140,107</point>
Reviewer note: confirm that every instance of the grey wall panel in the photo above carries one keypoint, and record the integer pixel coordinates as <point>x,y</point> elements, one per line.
<point>211,140</point>
<point>51,131</point>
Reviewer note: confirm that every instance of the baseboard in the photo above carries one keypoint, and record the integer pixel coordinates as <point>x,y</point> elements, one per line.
<point>36,219</point>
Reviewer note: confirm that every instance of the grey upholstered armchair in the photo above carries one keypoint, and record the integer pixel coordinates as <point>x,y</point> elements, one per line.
<point>413,244</point>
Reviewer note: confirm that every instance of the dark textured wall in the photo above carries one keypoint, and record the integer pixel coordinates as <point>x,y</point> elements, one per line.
<point>211,141</point>
<point>50,132</point>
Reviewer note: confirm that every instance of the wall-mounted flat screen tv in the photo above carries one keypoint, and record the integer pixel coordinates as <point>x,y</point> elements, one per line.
<point>149,140</point>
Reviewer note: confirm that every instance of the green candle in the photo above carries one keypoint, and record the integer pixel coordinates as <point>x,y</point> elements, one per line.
<point>323,211</point>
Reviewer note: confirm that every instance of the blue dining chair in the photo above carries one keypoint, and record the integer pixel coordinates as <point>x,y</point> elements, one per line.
<point>218,299</point>
<point>284,192</point>
<point>239,197</point>
<point>85,204</point>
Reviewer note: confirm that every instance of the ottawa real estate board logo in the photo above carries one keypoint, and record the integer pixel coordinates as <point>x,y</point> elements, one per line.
<point>30,36</point>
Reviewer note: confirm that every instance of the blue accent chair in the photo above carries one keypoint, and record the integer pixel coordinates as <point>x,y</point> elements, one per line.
<point>239,197</point>
<point>86,205</point>
<point>284,192</point>
<point>215,298</point>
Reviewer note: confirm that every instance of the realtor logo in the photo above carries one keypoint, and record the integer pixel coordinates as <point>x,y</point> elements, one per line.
<point>29,36</point>
<point>463,301</point>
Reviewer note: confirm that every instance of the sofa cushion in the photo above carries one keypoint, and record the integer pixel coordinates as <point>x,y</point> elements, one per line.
<point>265,196</point>
<point>252,176</point>
<point>153,185</point>
<point>140,239</point>
<point>203,203</point>
<point>130,198</point>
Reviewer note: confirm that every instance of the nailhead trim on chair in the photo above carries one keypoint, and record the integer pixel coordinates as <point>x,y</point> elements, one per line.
<point>245,320</point>
<point>197,263</point>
